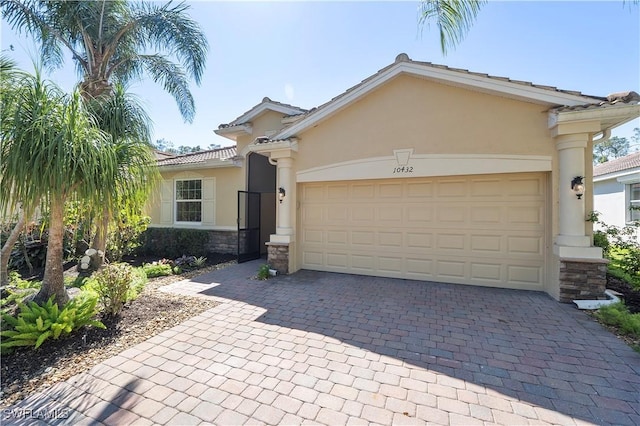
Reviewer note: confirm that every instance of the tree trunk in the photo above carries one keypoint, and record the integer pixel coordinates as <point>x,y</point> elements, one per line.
<point>100,241</point>
<point>8,246</point>
<point>53,281</point>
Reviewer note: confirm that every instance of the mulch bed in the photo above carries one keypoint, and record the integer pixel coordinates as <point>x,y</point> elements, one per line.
<point>25,371</point>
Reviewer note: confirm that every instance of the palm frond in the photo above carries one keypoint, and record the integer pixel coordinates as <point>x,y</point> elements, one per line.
<point>453,18</point>
<point>173,80</point>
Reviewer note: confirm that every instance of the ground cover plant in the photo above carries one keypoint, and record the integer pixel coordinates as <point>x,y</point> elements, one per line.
<point>140,318</point>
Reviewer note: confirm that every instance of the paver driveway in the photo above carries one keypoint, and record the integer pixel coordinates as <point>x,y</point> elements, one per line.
<point>321,348</point>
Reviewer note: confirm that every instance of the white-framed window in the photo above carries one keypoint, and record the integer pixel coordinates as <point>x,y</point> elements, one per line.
<point>188,200</point>
<point>633,204</point>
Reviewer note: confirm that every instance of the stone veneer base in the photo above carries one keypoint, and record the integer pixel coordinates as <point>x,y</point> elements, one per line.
<point>278,257</point>
<point>582,279</point>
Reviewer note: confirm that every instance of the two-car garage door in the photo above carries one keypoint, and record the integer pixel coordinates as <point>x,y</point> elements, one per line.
<point>483,230</point>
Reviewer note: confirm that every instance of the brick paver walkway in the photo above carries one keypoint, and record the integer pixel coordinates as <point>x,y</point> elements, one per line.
<point>320,348</point>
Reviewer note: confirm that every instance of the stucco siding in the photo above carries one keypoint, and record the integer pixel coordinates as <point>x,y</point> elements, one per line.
<point>609,201</point>
<point>227,182</point>
<point>410,112</point>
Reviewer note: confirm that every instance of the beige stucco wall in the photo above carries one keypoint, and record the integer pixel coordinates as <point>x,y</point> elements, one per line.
<point>432,118</point>
<point>228,181</point>
<point>269,121</point>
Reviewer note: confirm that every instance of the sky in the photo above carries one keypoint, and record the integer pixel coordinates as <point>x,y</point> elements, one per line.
<point>305,53</point>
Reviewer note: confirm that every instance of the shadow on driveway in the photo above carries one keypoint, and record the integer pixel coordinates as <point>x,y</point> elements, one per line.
<point>520,344</point>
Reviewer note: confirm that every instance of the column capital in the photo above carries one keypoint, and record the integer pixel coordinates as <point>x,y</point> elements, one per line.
<point>573,140</point>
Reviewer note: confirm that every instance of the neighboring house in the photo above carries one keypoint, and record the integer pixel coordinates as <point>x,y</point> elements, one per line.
<point>616,188</point>
<point>420,171</point>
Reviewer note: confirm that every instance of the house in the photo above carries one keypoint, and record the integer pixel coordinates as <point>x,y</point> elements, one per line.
<point>420,171</point>
<point>616,188</point>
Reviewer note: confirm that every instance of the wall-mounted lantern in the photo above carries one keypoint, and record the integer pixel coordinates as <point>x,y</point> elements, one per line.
<point>281,194</point>
<point>577,186</point>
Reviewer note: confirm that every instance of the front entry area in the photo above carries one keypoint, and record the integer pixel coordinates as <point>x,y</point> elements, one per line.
<point>481,229</point>
<point>256,208</point>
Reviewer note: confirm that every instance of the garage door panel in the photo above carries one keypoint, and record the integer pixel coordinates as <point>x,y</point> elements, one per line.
<point>363,191</point>
<point>487,272</point>
<point>390,239</point>
<point>452,188</point>
<point>522,274</point>
<point>419,214</point>
<point>482,187</point>
<point>390,213</point>
<point>390,190</point>
<point>420,190</point>
<point>418,240</point>
<point>486,230</point>
<point>487,243</point>
<point>451,214</point>
<point>531,245</point>
<point>450,269</point>
<point>451,242</point>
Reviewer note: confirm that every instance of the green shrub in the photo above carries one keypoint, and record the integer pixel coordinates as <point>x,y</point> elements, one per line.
<point>618,315</point>
<point>263,272</point>
<point>601,240</point>
<point>116,284</point>
<point>157,270</point>
<point>174,242</point>
<point>35,324</point>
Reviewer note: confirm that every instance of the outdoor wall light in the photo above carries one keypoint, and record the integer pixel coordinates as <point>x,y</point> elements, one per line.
<point>281,194</point>
<point>577,186</point>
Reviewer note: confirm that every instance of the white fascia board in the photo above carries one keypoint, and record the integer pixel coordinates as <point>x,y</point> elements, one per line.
<point>497,85</point>
<point>457,78</point>
<point>234,131</point>
<point>621,176</point>
<point>624,112</point>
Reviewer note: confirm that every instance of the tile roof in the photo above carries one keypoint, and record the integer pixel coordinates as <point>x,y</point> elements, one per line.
<point>611,100</point>
<point>265,100</point>
<point>160,155</point>
<point>404,58</point>
<point>200,157</point>
<point>618,165</point>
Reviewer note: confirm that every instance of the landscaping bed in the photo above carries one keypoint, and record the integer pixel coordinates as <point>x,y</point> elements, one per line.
<point>27,371</point>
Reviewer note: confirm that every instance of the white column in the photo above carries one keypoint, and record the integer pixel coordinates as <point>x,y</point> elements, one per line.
<point>572,241</point>
<point>571,226</point>
<point>284,208</point>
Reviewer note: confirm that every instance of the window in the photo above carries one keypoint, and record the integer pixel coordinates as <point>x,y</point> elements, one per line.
<point>189,200</point>
<point>634,202</point>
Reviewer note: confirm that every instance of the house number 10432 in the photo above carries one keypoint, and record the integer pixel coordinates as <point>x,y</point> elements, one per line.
<point>403,169</point>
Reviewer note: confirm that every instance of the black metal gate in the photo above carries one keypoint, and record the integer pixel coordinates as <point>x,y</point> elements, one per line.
<point>248,226</point>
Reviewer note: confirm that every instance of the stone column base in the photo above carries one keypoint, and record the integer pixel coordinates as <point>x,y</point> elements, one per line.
<point>278,257</point>
<point>582,279</point>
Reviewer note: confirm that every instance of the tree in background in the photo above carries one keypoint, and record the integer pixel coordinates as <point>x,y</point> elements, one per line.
<point>616,147</point>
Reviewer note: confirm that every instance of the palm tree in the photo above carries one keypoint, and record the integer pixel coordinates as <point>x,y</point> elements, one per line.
<point>453,18</point>
<point>120,115</point>
<point>51,149</point>
<point>117,41</point>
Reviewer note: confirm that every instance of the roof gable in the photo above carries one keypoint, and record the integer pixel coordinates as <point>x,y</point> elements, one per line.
<point>502,86</point>
<point>266,105</point>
